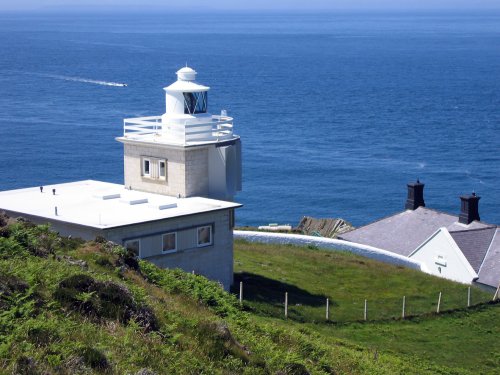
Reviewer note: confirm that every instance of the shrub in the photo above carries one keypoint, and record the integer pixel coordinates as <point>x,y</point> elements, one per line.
<point>26,366</point>
<point>94,358</point>
<point>9,287</point>
<point>106,299</point>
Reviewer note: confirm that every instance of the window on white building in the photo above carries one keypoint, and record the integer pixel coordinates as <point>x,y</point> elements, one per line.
<point>146,167</point>
<point>205,236</point>
<point>169,242</point>
<point>162,169</point>
<point>133,246</point>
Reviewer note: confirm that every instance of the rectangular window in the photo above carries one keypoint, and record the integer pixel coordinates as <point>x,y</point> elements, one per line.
<point>133,246</point>
<point>162,169</point>
<point>205,236</point>
<point>231,219</point>
<point>169,243</point>
<point>146,167</point>
<point>195,102</point>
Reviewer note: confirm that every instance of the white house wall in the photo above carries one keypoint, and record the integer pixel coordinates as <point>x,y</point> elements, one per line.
<point>442,257</point>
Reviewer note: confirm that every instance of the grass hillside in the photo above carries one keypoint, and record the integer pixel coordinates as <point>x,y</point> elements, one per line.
<point>458,337</point>
<point>69,307</point>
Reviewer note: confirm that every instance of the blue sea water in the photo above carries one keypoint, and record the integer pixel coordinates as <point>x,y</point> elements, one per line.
<point>337,111</point>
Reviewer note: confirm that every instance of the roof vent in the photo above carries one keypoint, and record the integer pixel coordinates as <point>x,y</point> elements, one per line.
<point>106,196</point>
<point>415,196</point>
<point>163,206</point>
<point>136,200</point>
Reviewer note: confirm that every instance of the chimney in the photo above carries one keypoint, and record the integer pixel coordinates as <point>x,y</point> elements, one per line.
<point>415,196</point>
<point>469,208</point>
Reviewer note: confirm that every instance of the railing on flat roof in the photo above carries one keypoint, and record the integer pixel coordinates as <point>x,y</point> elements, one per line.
<point>217,128</point>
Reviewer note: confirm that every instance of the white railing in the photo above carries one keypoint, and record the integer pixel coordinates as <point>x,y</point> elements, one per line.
<point>217,128</point>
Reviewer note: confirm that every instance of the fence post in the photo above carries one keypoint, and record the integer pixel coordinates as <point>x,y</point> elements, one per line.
<point>286,304</point>
<point>327,309</point>
<point>241,292</point>
<point>366,310</point>
<point>404,305</point>
<point>439,303</point>
<point>496,293</point>
<point>468,297</point>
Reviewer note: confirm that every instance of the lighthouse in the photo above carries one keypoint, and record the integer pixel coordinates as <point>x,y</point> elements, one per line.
<point>186,151</point>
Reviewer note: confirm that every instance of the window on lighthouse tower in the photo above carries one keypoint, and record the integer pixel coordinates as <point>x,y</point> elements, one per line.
<point>195,102</point>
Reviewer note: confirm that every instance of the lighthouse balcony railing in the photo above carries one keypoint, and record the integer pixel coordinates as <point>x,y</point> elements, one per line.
<point>218,127</point>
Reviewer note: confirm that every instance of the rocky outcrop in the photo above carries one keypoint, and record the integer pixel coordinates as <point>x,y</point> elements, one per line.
<point>329,228</point>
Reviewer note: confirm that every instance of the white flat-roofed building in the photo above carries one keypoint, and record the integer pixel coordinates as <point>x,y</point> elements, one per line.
<point>176,166</point>
<point>194,234</point>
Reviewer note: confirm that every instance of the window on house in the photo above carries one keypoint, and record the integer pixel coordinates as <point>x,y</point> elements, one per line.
<point>133,246</point>
<point>169,242</point>
<point>162,169</point>
<point>205,235</point>
<point>146,167</point>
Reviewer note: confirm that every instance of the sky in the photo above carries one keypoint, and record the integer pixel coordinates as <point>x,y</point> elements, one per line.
<point>234,5</point>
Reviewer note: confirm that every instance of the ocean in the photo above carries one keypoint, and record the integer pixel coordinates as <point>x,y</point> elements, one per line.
<point>336,111</point>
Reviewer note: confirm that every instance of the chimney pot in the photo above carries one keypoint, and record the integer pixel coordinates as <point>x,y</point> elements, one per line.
<point>415,196</point>
<point>469,208</point>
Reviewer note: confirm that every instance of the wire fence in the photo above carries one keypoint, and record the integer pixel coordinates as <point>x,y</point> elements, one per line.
<point>297,307</point>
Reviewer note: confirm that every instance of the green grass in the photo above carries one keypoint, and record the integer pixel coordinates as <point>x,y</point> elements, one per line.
<point>310,276</point>
<point>464,339</point>
<point>71,307</point>
<point>57,317</point>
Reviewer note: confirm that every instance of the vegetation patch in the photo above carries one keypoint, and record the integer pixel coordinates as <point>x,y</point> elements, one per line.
<point>106,299</point>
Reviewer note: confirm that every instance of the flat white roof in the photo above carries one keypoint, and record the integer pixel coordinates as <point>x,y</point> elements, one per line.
<point>103,205</point>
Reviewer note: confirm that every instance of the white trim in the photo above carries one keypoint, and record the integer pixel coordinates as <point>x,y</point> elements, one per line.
<point>425,242</point>
<point>488,251</point>
<point>134,240</point>
<point>198,236</point>
<point>171,250</point>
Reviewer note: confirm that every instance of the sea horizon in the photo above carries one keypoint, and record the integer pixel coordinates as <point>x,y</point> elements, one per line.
<point>337,110</point>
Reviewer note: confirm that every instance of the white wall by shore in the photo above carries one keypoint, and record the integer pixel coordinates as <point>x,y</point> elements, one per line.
<point>330,244</point>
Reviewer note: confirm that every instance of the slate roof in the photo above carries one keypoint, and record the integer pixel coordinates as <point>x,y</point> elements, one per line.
<point>474,244</point>
<point>489,273</point>
<point>403,232</point>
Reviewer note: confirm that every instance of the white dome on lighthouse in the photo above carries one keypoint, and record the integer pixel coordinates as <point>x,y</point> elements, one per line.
<point>186,74</point>
<point>186,82</point>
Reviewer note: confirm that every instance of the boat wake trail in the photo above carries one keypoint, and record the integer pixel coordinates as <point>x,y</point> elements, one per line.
<point>79,79</point>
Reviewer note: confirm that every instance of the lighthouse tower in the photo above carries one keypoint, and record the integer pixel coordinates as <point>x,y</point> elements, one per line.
<point>186,151</point>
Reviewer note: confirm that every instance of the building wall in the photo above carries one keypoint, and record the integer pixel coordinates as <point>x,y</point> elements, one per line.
<point>197,172</point>
<point>61,227</point>
<point>443,258</point>
<point>187,169</point>
<point>175,182</point>
<point>214,261</point>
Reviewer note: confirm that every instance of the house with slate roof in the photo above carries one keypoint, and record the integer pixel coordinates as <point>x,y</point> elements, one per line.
<point>461,248</point>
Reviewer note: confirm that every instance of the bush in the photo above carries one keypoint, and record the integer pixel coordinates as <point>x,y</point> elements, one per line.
<point>26,366</point>
<point>94,358</point>
<point>11,248</point>
<point>104,300</point>
<point>9,287</point>
<point>38,240</point>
